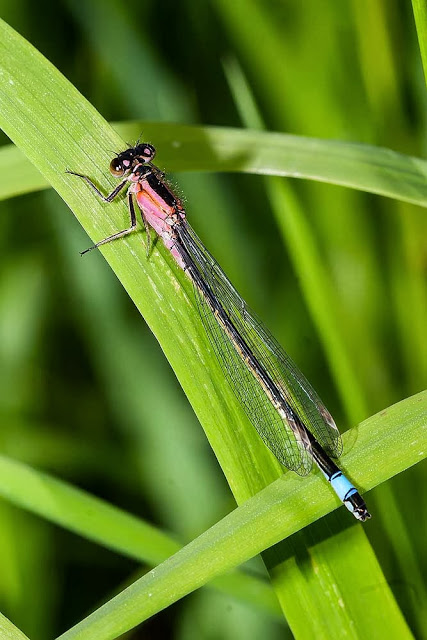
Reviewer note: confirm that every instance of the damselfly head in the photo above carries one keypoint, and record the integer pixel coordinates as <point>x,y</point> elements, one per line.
<point>127,160</point>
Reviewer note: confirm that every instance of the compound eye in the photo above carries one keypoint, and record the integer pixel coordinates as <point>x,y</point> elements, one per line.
<point>146,152</point>
<point>117,168</point>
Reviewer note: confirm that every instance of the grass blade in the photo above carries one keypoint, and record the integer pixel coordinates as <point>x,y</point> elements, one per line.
<point>267,518</point>
<point>420,14</point>
<point>191,148</point>
<point>8,631</point>
<point>96,520</point>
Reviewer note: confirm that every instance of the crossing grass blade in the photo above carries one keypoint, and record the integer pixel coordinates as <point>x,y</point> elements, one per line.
<point>269,517</point>
<point>8,631</point>
<point>420,14</point>
<point>194,148</point>
<point>96,520</point>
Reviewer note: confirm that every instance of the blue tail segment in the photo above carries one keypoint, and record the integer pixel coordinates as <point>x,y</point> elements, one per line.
<point>349,495</point>
<point>346,492</point>
<point>342,486</point>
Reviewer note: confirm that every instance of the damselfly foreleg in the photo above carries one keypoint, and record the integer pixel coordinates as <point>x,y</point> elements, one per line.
<point>119,234</point>
<point>99,193</point>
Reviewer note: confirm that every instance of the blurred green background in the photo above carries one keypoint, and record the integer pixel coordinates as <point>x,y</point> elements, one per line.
<point>85,392</point>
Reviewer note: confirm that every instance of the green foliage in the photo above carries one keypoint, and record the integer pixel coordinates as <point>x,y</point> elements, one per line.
<point>9,631</point>
<point>278,511</point>
<point>420,13</point>
<point>190,148</point>
<point>84,392</point>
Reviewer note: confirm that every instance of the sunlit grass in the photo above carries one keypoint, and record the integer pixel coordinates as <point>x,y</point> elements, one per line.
<point>85,392</point>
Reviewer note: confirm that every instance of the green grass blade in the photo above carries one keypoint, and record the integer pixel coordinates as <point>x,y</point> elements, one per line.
<point>96,520</point>
<point>191,148</point>
<point>8,631</point>
<point>308,264</point>
<point>275,513</point>
<point>86,515</point>
<point>319,293</point>
<point>420,14</point>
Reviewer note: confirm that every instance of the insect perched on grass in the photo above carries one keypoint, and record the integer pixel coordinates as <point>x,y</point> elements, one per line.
<point>281,404</point>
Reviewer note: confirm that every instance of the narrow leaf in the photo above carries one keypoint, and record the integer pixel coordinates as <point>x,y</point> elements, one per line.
<point>275,513</point>
<point>420,13</point>
<point>192,148</point>
<point>8,631</point>
<point>96,520</point>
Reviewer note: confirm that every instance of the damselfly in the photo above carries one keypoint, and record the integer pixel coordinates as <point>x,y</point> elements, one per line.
<point>281,404</point>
